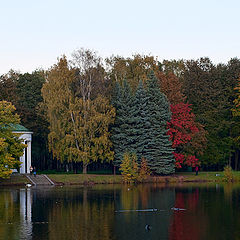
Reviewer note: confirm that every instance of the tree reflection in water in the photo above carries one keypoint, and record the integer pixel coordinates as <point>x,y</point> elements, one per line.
<point>212,212</point>
<point>85,215</point>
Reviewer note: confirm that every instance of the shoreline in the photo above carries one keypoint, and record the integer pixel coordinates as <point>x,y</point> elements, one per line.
<point>92,179</point>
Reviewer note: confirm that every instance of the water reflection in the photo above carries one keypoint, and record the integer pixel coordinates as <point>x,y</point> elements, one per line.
<point>212,212</point>
<point>25,214</point>
<point>131,225</point>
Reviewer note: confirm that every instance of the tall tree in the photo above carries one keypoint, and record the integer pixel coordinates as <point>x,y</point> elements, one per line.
<point>187,135</point>
<point>89,138</point>
<point>171,86</point>
<point>24,91</point>
<point>58,96</point>
<point>141,121</point>
<point>78,124</point>
<point>236,127</point>
<point>28,89</point>
<point>210,89</point>
<point>133,68</point>
<point>8,88</point>
<point>91,77</point>
<point>11,147</point>
<point>176,67</point>
<point>159,152</point>
<point>122,136</point>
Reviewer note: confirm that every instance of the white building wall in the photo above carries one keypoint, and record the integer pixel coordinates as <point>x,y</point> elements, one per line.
<point>27,139</point>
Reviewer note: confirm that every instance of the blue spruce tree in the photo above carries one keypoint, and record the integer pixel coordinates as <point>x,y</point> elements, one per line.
<point>150,115</point>
<point>141,121</point>
<point>157,146</point>
<point>122,135</point>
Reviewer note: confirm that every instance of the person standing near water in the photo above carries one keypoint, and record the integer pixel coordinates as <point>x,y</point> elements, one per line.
<point>196,169</point>
<point>31,170</point>
<point>34,171</point>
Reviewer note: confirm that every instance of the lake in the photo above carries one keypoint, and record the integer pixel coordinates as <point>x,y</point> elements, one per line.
<point>104,212</point>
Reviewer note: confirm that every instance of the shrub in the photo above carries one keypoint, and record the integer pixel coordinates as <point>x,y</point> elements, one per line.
<point>144,171</point>
<point>129,167</point>
<point>228,174</point>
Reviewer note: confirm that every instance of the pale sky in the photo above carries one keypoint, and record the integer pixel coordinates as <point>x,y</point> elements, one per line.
<point>34,33</point>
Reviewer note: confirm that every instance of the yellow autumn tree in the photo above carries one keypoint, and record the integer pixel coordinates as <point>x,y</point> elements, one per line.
<point>78,124</point>
<point>11,147</point>
<point>88,141</point>
<point>129,167</point>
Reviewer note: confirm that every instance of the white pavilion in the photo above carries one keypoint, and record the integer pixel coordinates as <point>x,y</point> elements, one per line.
<point>26,159</point>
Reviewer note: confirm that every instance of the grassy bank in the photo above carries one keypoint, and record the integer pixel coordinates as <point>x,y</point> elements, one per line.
<point>89,179</point>
<point>81,179</point>
<point>207,176</point>
<point>14,180</point>
<point>178,177</point>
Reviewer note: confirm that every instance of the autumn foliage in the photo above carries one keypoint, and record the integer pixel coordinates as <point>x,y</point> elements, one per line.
<point>129,167</point>
<point>182,129</point>
<point>144,171</point>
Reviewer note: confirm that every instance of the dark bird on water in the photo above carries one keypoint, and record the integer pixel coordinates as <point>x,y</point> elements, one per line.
<point>148,227</point>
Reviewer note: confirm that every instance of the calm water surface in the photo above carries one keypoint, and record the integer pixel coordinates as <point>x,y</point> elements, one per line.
<point>91,213</point>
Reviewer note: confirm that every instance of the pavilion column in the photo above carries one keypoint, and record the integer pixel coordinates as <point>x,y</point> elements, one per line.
<point>22,159</point>
<point>29,157</point>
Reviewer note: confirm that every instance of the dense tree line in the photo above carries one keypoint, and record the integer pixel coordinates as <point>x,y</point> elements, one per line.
<point>87,112</point>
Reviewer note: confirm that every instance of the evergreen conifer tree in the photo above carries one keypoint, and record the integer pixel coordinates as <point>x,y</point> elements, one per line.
<point>158,150</point>
<point>122,136</point>
<point>141,121</point>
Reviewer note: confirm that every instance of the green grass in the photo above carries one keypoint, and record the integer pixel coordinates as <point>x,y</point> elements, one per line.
<point>102,172</point>
<point>207,176</point>
<point>14,180</point>
<point>84,178</point>
<point>178,177</point>
<point>81,179</point>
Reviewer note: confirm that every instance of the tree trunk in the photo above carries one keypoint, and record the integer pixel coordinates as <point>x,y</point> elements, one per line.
<point>75,167</point>
<point>114,170</point>
<point>229,159</point>
<point>84,168</point>
<point>57,165</point>
<point>236,160</point>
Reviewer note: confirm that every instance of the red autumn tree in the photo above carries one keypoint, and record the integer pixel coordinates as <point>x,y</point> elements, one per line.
<point>187,135</point>
<point>182,130</point>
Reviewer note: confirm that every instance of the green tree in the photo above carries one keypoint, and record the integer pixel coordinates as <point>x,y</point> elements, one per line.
<point>159,152</point>
<point>122,135</point>
<point>141,126</point>
<point>236,126</point>
<point>141,121</point>
<point>24,92</point>
<point>8,87</point>
<point>28,89</point>
<point>11,147</point>
<point>210,90</point>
